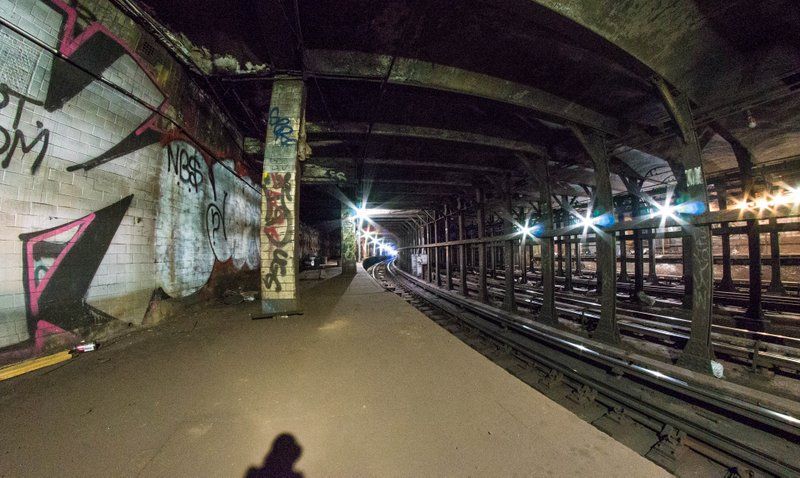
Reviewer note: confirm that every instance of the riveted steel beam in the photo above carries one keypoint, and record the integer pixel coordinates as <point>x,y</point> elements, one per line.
<point>423,74</point>
<point>421,132</point>
<point>607,328</point>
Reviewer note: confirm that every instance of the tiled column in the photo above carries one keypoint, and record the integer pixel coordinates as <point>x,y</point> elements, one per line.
<point>348,247</point>
<point>279,212</point>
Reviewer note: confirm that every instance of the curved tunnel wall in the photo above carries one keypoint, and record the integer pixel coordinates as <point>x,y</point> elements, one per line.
<point>119,177</point>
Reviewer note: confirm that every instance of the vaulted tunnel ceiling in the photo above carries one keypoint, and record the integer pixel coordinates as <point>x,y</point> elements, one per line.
<point>420,100</point>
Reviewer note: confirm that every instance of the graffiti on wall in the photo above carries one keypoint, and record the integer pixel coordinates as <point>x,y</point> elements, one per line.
<point>85,56</point>
<point>14,137</point>
<point>96,99</point>
<point>278,226</point>
<point>348,246</point>
<point>58,266</point>
<point>185,165</point>
<point>205,215</point>
<point>282,129</point>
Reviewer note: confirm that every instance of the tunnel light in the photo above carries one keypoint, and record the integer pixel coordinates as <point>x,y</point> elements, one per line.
<point>781,199</point>
<point>360,213</point>
<point>762,203</point>
<point>665,211</point>
<point>693,208</point>
<point>742,204</point>
<point>604,220</point>
<point>794,195</point>
<point>537,230</point>
<point>534,231</point>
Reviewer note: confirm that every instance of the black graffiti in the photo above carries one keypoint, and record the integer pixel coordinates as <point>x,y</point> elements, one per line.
<point>11,140</point>
<point>215,222</point>
<point>85,54</point>
<point>278,190</point>
<point>277,269</point>
<point>57,274</point>
<point>281,127</point>
<point>187,167</point>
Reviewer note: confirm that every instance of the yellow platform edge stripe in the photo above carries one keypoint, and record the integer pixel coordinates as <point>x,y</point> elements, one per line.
<point>13,370</point>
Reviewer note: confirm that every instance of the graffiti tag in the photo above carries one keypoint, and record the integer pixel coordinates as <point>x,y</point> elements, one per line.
<point>277,269</point>
<point>15,138</point>
<point>278,188</point>
<point>215,222</point>
<point>278,194</point>
<point>186,166</point>
<point>282,127</point>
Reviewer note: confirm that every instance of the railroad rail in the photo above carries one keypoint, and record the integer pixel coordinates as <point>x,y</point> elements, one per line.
<point>671,415</point>
<point>782,303</point>
<point>758,349</point>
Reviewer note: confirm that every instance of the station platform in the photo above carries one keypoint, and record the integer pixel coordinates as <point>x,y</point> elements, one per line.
<point>362,384</point>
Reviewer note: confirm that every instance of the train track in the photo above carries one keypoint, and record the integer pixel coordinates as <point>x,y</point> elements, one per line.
<point>686,422</point>
<point>757,349</point>
<point>781,303</point>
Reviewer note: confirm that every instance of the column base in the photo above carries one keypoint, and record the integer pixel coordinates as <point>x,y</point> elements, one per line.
<point>726,286</point>
<point>697,358</point>
<point>754,322</point>
<point>279,307</point>
<point>607,335</point>
<point>776,289</point>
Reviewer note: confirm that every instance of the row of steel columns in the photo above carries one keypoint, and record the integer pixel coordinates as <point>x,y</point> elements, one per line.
<point>696,241</point>
<point>697,353</point>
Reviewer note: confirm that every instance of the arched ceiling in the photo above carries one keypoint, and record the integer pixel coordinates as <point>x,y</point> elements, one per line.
<point>421,100</point>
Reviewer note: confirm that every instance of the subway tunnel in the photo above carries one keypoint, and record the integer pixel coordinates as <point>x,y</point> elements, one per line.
<point>405,238</point>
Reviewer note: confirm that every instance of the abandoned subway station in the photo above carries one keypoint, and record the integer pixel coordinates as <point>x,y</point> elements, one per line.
<point>286,238</point>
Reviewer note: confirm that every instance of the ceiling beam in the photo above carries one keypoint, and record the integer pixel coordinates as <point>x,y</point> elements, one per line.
<point>424,164</point>
<point>423,74</point>
<point>420,132</point>
<point>426,182</point>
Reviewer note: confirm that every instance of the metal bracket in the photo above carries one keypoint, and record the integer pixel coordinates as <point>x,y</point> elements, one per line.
<point>583,395</point>
<point>553,377</point>
<point>665,451</point>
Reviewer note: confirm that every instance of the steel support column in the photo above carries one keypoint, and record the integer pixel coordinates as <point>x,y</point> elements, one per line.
<point>688,288</point>
<point>623,254</point>
<point>462,251</point>
<point>509,302</point>
<point>568,260</point>
<point>431,250</point>
<point>437,276</point>
<point>638,253</point>
<point>776,284</point>
<point>652,276</point>
<point>698,353</point>
<point>448,268</point>
<point>727,277</point>
<point>607,328</point>
<point>481,220</point>
<point>560,245</point>
<point>539,171</point>
<point>492,250</point>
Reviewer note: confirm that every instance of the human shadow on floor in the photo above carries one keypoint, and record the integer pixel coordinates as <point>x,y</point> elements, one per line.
<point>280,460</point>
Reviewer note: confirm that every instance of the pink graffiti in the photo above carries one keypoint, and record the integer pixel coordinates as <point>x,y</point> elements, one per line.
<point>44,329</point>
<point>70,43</point>
<point>35,289</point>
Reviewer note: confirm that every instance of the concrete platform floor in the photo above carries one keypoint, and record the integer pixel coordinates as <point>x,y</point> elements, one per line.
<point>364,383</point>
